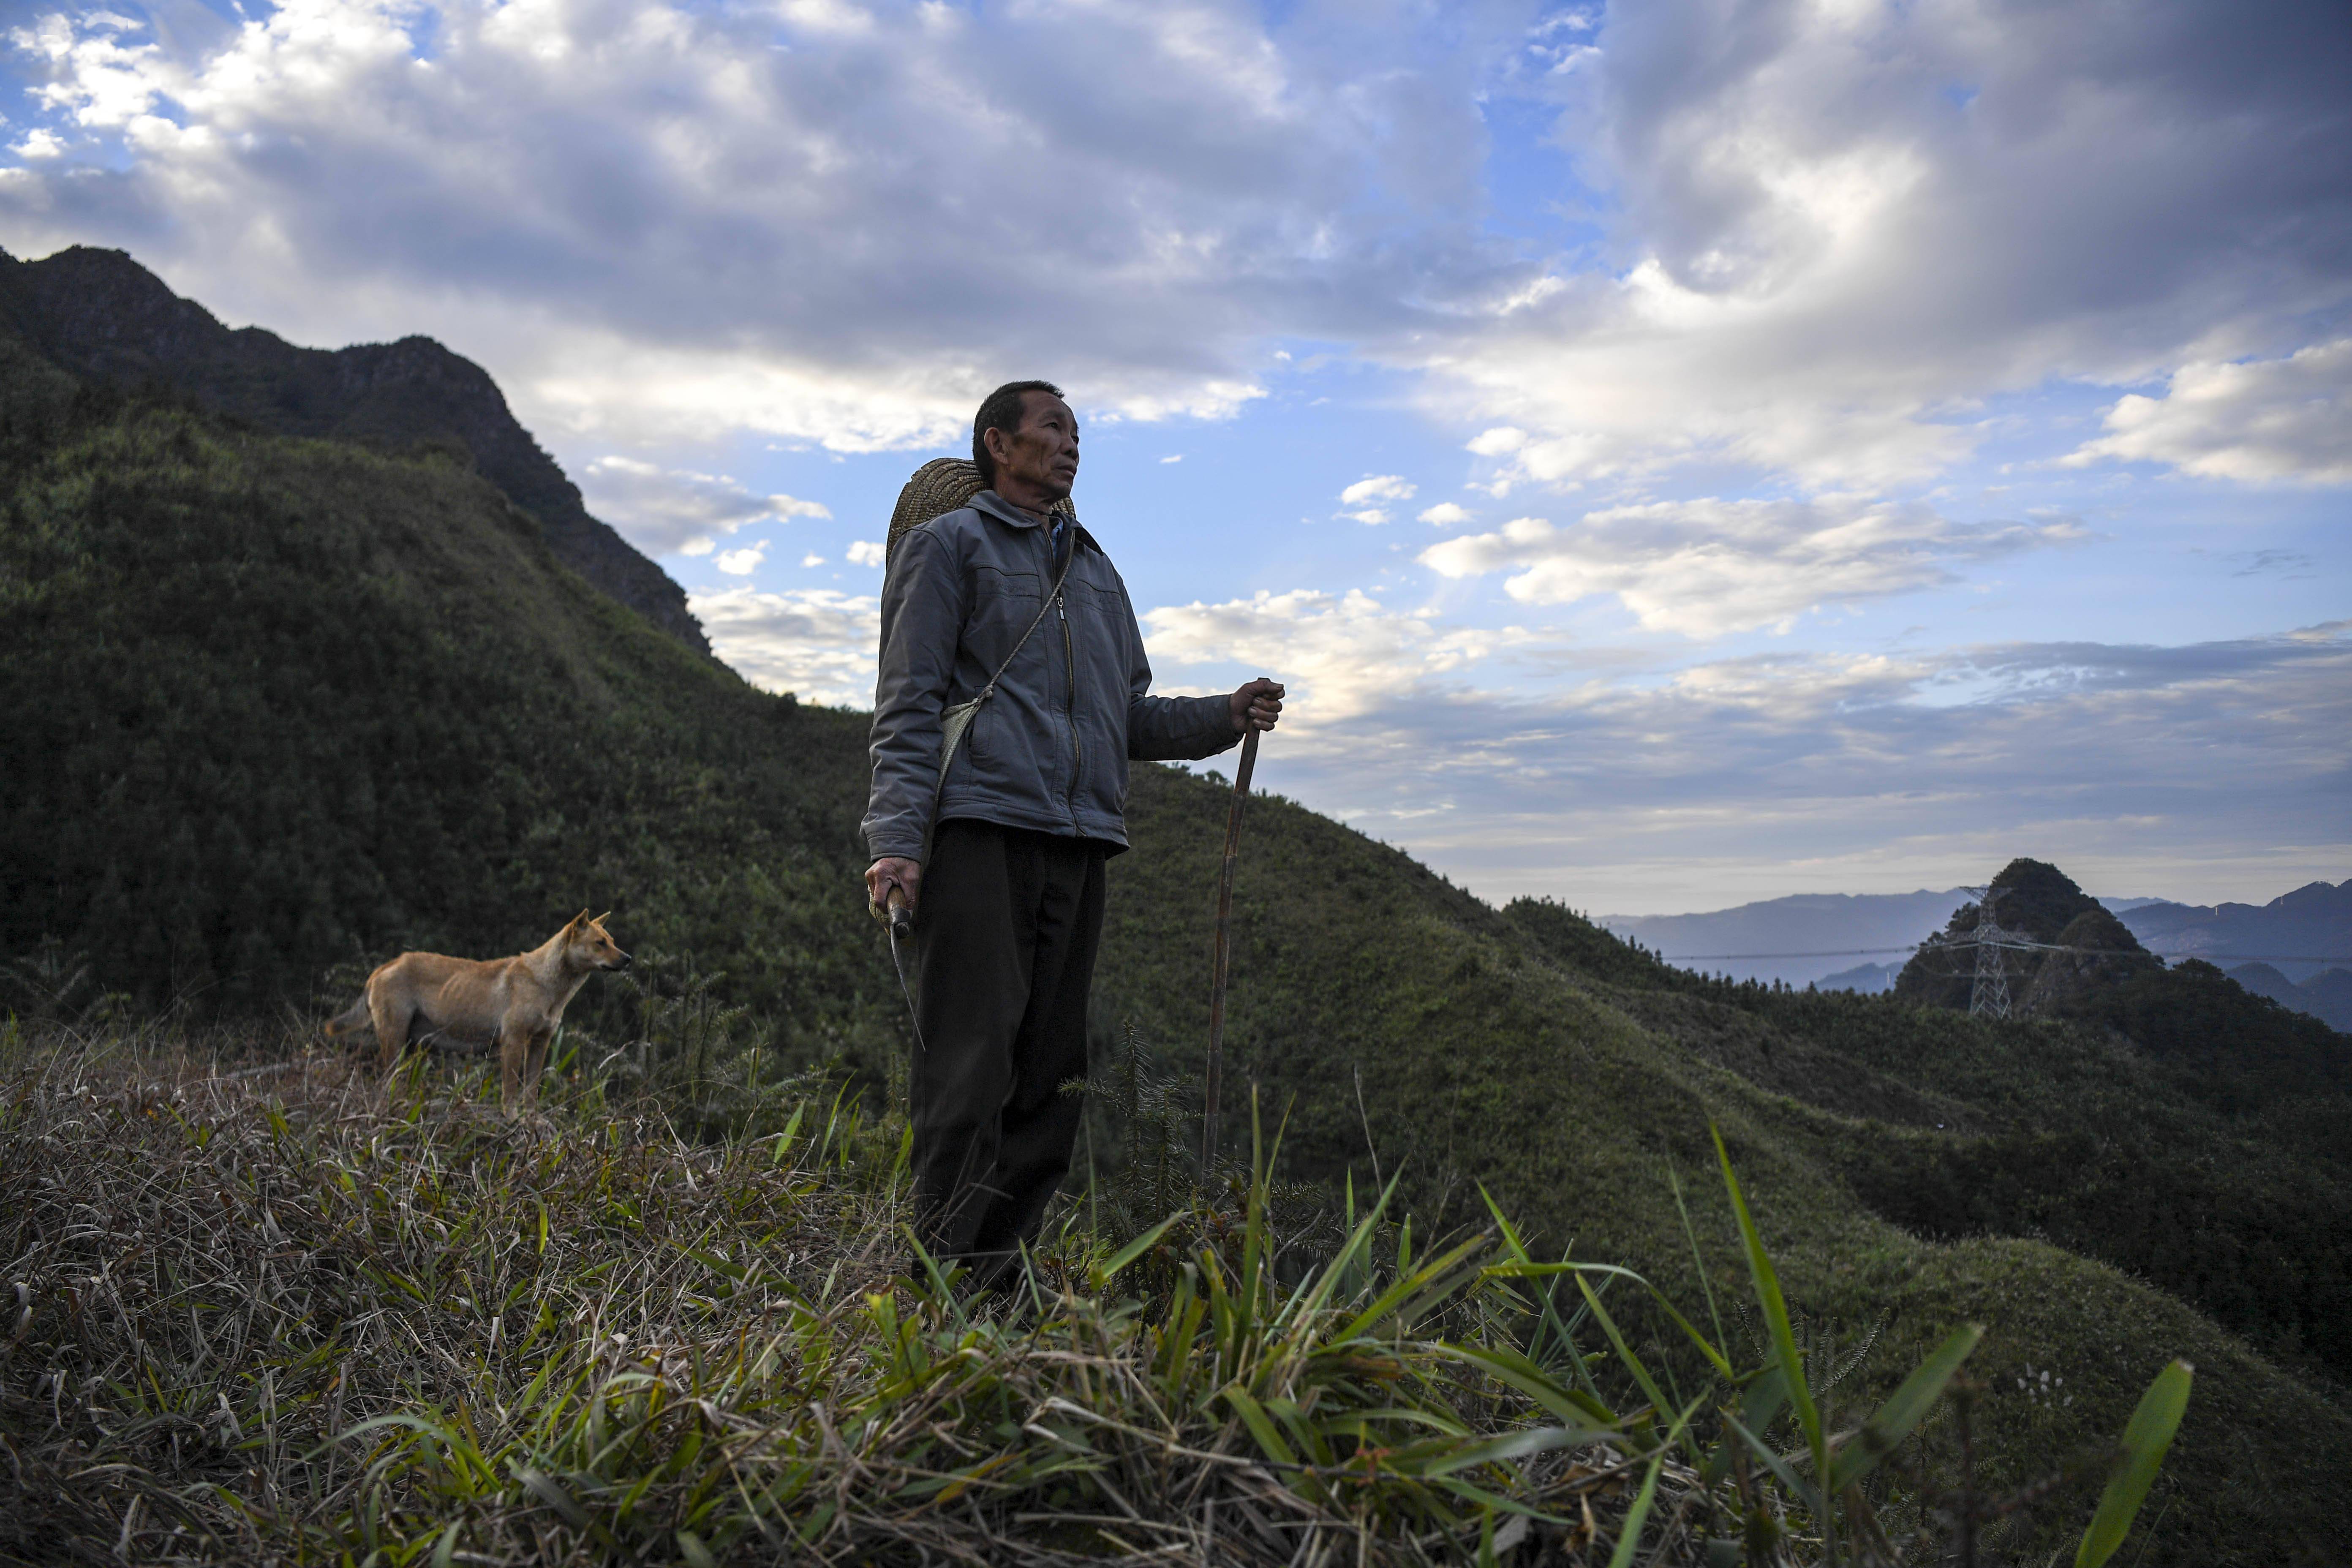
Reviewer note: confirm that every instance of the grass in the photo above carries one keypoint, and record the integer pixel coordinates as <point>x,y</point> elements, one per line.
<point>271,1310</point>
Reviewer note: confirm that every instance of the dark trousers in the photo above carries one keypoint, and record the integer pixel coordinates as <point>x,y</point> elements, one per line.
<point>1004,941</point>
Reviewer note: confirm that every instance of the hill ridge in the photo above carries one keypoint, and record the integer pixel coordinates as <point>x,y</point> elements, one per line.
<point>102,316</point>
<point>2301,931</point>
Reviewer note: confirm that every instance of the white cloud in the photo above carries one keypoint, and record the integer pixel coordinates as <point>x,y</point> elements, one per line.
<point>664,510</point>
<point>1842,224</point>
<point>1339,655</point>
<point>812,559</point>
<point>1704,568</point>
<point>654,219</point>
<point>38,142</point>
<point>744,561</point>
<point>1370,516</point>
<point>1498,442</point>
<point>813,641</point>
<point>2264,419</point>
<point>1376,487</point>
<point>1444,514</point>
<point>867,552</point>
<point>1178,458</point>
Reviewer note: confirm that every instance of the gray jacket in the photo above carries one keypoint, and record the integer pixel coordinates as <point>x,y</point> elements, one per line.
<point>1050,749</point>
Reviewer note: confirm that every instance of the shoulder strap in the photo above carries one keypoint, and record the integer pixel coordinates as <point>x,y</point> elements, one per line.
<point>957,718</point>
<point>1051,594</point>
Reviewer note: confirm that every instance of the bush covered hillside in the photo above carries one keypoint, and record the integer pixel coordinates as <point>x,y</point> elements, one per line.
<point>280,708</point>
<point>102,316</point>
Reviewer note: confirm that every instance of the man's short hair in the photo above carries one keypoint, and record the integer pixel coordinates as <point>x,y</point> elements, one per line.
<point>1001,410</point>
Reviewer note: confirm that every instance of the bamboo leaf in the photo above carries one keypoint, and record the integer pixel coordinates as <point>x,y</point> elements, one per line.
<point>1904,1409</point>
<point>2147,1437</point>
<point>1512,1446</point>
<point>1260,1424</point>
<point>1137,1247</point>
<point>549,1491</point>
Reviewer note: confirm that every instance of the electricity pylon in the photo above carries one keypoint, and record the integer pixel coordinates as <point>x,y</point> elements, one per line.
<point>1989,997</point>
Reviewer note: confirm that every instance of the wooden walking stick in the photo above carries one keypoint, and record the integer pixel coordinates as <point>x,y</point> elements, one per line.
<point>1217,964</point>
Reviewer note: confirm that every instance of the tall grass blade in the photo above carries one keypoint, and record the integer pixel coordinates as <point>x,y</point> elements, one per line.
<point>1784,1337</point>
<point>1633,1365</point>
<point>1572,1405</point>
<point>1628,1535</point>
<point>1758,1407</point>
<point>1538,1270</point>
<point>1904,1409</point>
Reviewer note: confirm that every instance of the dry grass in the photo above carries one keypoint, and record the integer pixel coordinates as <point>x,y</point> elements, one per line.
<point>266,1311</point>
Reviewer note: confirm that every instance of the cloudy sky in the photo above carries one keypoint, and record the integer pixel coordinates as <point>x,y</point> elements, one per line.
<point>1676,454</point>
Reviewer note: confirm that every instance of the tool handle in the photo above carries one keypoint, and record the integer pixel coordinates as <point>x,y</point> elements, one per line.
<point>1212,1090</point>
<point>901,918</point>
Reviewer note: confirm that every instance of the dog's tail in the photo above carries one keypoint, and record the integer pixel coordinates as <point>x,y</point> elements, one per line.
<point>356,1016</point>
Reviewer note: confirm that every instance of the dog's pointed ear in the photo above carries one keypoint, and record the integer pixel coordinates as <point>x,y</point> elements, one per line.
<point>599,921</point>
<point>579,919</point>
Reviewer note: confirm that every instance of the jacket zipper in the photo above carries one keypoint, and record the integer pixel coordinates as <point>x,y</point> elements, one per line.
<point>1070,682</point>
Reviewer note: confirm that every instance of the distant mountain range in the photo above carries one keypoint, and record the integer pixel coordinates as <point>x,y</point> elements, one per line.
<point>1804,939</point>
<point>2286,949</point>
<point>2298,933</point>
<point>103,317</point>
<point>1865,978</point>
<point>2327,995</point>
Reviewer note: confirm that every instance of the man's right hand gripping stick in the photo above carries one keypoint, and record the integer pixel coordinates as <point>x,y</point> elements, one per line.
<point>894,911</point>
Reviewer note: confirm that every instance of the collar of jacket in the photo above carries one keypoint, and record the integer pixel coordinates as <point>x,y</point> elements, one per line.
<point>988,504</point>
<point>1004,512</point>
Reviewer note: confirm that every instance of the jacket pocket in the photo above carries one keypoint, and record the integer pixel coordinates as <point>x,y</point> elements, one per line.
<point>1102,607</point>
<point>1003,606</point>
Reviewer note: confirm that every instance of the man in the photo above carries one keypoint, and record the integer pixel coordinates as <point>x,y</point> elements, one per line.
<point>1004,873</point>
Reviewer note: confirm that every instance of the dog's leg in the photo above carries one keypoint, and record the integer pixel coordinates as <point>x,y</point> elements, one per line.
<point>534,1066</point>
<point>391,1016</point>
<point>514,1045</point>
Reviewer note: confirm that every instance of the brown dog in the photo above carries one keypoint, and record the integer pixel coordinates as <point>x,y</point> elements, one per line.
<point>515,1003</point>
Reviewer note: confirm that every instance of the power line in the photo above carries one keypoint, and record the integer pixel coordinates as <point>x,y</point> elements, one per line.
<point>1843,952</point>
<point>2035,946</point>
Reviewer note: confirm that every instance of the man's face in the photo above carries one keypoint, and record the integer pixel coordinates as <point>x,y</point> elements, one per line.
<point>1039,460</point>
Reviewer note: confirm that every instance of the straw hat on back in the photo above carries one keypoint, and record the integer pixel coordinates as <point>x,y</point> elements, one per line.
<point>937,488</point>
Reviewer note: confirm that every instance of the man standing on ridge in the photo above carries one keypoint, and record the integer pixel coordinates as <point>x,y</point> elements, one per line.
<point>1002,859</point>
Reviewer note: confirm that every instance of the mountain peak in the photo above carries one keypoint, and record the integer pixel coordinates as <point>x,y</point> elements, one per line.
<point>2088,946</point>
<point>101,315</point>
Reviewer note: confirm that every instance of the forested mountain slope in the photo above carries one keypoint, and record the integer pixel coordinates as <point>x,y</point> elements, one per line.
<point>101,315</point>
<point>277,704</point>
